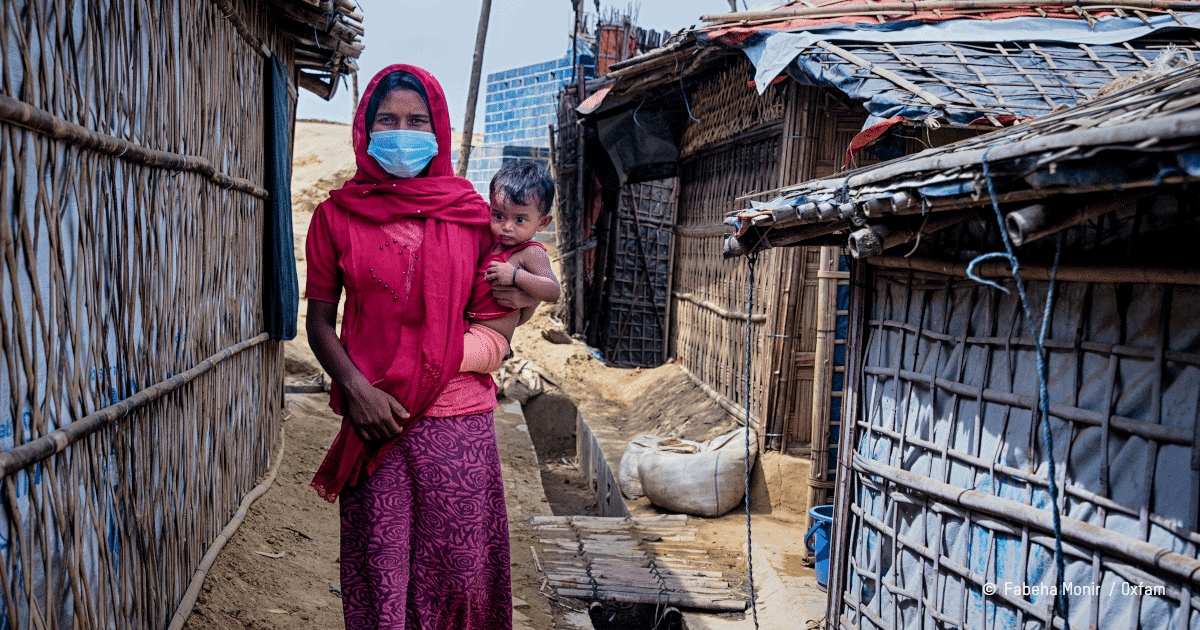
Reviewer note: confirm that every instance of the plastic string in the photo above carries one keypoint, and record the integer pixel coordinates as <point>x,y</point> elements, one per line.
<point>1043,386</point>
<point>751,260</point>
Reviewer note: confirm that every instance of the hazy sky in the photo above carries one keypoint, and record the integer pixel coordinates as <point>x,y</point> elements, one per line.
<point>440,37</point>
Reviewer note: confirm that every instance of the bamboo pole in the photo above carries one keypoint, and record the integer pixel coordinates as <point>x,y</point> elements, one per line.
<point>1136,275</point>
<point>674,599</point>
<point>56,441</point>
<point>929,97</point>
<point>256,43</point>
<point>1176,564</point>
<point>464,151</point>
<point>1180,125</point>
<point>18,113</point>
<point>839,534</point>
<point>1160,433</point>
<point>726,404</point>
<point>577,320</point>
<point>727,314</point>
<point>702,231</point>
<point>665,520</point>
<point>827,278</point>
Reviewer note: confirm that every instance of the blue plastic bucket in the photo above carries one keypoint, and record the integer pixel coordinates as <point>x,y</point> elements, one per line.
<point>817,541</point>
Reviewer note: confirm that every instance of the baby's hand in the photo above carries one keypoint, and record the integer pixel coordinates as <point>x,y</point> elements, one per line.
<point>500,274</point>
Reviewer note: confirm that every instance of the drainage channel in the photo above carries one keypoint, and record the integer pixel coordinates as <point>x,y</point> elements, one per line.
<point>610,570</point>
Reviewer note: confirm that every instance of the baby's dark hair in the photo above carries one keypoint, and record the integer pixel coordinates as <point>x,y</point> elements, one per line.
<point>521,178</point>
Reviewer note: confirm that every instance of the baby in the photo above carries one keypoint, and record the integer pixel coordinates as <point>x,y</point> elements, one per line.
<point>520,196</point>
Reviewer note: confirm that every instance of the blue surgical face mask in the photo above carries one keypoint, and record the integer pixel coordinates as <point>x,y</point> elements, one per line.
<point>403,152</point>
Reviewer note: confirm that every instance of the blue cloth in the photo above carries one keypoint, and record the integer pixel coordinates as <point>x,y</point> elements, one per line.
<point>281,292</point>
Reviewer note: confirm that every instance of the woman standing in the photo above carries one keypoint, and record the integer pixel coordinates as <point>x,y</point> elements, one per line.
<point>424,539</point>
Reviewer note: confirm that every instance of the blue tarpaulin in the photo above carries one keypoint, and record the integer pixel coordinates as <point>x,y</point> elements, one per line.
<point>1020,67</point>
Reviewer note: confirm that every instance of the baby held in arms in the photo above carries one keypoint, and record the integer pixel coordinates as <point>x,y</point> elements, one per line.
<point>520,196</point>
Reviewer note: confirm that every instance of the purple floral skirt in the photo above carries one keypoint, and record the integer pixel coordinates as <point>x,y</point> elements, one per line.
<point>425,538</point>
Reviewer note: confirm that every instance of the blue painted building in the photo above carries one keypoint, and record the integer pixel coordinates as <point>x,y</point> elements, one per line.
<point>522,104</point>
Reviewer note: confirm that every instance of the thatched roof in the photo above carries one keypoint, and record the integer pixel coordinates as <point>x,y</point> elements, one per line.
<point>328,38</point>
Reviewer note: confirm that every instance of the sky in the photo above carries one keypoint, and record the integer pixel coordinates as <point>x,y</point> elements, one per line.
<point>440,37</point>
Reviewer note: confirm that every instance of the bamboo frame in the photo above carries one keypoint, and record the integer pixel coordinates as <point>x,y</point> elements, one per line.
<point>735,410</point>
<point>901,467</point>
<point>1140,275</point>
<point>641,277</point>
<point>132,237</point>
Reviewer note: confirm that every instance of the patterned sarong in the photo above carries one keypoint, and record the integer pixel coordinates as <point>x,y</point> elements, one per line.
<point>425,538</point>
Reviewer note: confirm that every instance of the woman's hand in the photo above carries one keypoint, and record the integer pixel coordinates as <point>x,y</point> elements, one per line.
<point>501,274</point>
<point>374,413</point>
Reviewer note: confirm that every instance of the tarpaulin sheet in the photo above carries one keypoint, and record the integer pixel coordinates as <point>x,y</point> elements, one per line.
<point>931,49</point>
<point>1145,476</point>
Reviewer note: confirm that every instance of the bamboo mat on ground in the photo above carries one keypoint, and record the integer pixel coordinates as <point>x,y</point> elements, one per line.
<point>641,560</point>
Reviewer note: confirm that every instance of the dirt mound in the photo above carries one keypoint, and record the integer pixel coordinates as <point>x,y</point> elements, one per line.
<point>658,401</point>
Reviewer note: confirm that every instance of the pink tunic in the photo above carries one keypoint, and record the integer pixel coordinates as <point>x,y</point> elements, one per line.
<point>377,266</point>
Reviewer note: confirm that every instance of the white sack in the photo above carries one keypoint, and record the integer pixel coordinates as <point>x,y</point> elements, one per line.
<point>708,482</point>
<point>627,472</point>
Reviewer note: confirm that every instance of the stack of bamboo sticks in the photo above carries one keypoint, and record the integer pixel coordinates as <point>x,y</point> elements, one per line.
<point>641,560</point>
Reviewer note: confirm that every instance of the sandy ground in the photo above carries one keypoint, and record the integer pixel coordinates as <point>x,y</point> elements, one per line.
<point>280,569</point>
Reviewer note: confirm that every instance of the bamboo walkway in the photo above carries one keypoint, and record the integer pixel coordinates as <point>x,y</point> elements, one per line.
<point>639,560</point>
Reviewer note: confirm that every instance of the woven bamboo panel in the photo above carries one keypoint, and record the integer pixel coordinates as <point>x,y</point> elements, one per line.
<point>132,303</point>
<point>639,299</point>
<point>723,106</point>
<point>710,344</point>
<point>570,214</point>
<point>950,510</point>
<point>796,340</point>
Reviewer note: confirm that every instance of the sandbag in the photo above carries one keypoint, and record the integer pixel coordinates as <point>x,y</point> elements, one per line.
<point>627,472</point>
<point>708,482</point>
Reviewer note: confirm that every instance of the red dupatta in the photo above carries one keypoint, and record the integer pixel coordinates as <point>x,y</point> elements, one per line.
<point>449,204</point>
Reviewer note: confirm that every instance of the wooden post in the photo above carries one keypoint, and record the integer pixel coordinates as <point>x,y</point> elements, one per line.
<point>580,190</point>
<point>464,151</point>
<point>354,102</point>
<point>823,370</point>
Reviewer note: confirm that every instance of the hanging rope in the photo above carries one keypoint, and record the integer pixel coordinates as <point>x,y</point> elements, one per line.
<point>751,260</point>
<point>1043,386</point>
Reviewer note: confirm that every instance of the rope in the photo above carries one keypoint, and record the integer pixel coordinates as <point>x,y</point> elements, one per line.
<point>587,563</point>
<point>1043,386</point>
<point>751,260</point>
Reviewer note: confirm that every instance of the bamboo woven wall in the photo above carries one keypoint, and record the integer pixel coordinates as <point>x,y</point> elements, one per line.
<point>132,283</point>
<point>638,301</point>
<point>818,126</point>
<point>755,144</point>
<point>709,307</point>
<point>722,106</point>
